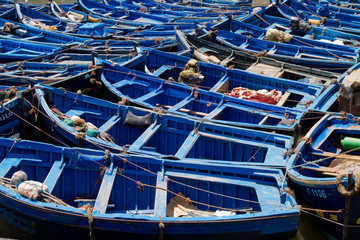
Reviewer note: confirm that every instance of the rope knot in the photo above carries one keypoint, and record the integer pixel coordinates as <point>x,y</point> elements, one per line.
<point>343,115</point>
<point>307,103</point>
<point>103,169</point>
<point>124,101</point>
<point>196,94</point>
<point>91,221</point>
<point>308,141</point>
<point>188,201</point>
<point>106,155</point>
<point>80,136</point>
<point>140,186</point>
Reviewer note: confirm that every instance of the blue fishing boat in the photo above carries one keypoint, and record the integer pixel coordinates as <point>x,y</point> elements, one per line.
<point>123,128</point>
<point>77,16</point>
<point>102,194</point>
<point>151,92</point>
<point>321,9</point>
<point>329,99</point>
<point>34,18</point>
<point>210,52</point>
<point>13,50</point>
<point>219,79</point>
<point>125,45</point>
<point>269,18</point>
<point>334,60</point>
<point>29,33</point>
<point>10,110</point>
<point>338,7</point>
<point>20,73</point>
<point>349,4</point>
<point>324,175</point>
<point>97,8</point>
<point>344,26</point>
<point>171,10</point>
<point>223,4</point>
<point>263,32</point>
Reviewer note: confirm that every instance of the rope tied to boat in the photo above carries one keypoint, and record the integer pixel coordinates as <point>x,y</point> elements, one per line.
<point>124,101</point>
<point>77,94</point>
<point>196,94</point>
<point>80,136</point>
<point>121,173</point>
<point>161,229</point>
<point>307,103</point>
<point>262,53</point>
<point>91,221</point>
<point>106,155</point>
<point>140,185</point>
<point>343,115</point>
<point>287,121</point>
<point>19,65</point>
<point>308,141</point>
<point>341,188</point>
<point>158,40</point>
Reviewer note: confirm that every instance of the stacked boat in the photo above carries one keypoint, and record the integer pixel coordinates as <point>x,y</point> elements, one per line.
<point>181,120</point>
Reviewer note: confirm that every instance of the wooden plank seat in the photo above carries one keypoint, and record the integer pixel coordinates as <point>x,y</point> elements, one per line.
<point>13,160</point>
<point>225,61</point>
<point>161,70</point>
<point>105,190</point>
<point>79,112</point>
<point>283,99</point>
<point>110,123</point>
<point>160,195</point>
<point>207,50</point>
<point>54,174</point>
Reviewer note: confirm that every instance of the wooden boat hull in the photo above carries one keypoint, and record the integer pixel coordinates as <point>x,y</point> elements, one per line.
<point>222,80</point>
<point>315,184</point>
<point>9,122</point>
<point>247,61</point>
<point>274,215</point>
<point>48,222</point>
<point>192,139</point>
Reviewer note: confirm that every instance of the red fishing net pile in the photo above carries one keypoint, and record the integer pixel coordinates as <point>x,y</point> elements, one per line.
<point>263,95</point>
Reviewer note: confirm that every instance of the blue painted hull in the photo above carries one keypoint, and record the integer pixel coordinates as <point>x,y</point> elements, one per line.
<point>59,226</point>
<point>191,139</point>
<point>220,79</point>
<point>151,92</point>
<point>313,171</point>
<point>9,122</point>
<point>273,215</point>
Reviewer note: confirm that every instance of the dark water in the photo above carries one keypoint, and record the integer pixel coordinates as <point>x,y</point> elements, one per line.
<point>307,229</point>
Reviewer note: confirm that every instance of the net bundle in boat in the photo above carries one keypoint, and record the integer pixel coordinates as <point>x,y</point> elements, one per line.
<point>263,95</point>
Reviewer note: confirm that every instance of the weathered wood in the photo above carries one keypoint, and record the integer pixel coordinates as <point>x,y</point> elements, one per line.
<point>264,120</point>
<point>321,169</point>
<point>339,156</point>
<point>283,99</point>
<point>200,114</point>
<point>226,61</point>
<point>311,56</point>
<point>109,123</point>
<point>54,175</point>
<point>160,196</point>
<point>103,196</point>
<point>7,164</point>
<point>264,69</point>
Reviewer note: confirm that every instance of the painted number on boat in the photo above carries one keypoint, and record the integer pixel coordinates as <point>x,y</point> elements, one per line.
<point>316,192</point>
<point>5,116</point>
<point>8,105</point>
